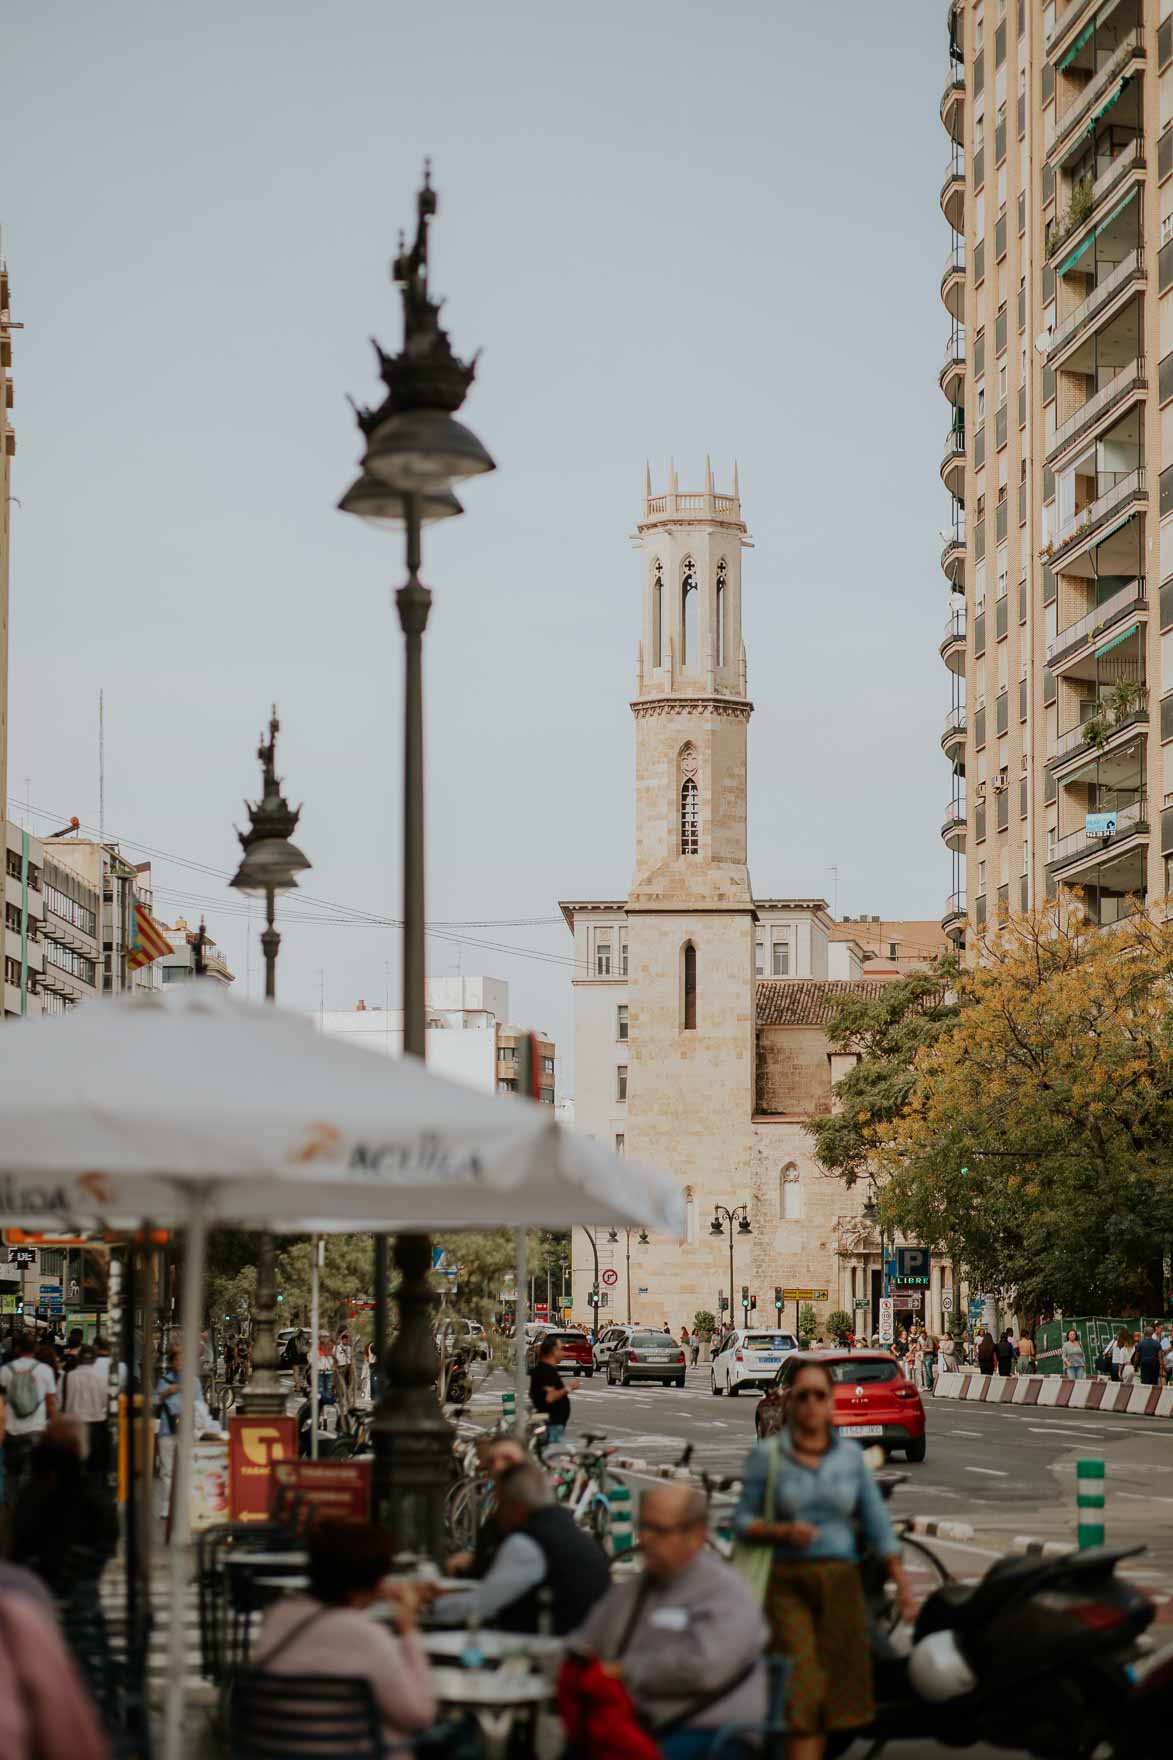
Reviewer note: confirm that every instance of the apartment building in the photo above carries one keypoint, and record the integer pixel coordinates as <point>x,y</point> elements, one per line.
<point>89,928</point>
<point>1058,455</point>
<point>24,922</point>
<point>193,954</point>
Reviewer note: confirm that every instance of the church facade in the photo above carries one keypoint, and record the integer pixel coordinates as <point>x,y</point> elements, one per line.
<point>700,1009</point>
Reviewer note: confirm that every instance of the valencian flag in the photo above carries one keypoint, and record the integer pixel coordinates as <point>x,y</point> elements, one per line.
<point>147,940</point>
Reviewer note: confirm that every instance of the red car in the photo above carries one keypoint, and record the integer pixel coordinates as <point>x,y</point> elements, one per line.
<point>576,1350</point>
<point>874,1400</point>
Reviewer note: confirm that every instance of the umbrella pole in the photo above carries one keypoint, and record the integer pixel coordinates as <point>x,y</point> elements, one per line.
<point>520,1383</point>
<point>315,1328</point>
<point>193,1283</point>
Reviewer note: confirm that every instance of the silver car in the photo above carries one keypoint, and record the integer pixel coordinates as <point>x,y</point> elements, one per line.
<point>647,1356</point>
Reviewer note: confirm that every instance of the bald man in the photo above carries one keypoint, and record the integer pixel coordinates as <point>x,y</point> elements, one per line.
<point>691,1657</point>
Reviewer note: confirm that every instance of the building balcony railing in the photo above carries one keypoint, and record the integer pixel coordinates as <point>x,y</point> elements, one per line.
<point>952,107</point>
<point>1128,485</point>
<point>1077,634</point>
<point>1062,31</point>
<point>699,506</point>
<point>953,825</point>
<point>953,460</point>
<point>953,558</point>
<point>953,195</point>
<point>953,642</point>
<point>1088,197</point>
<point>953,733</point>
<point>1131,821</point>
<point>1076,744</point>
<point>1131,378</point>
<point>1128,269</point>
<point>953,282</point>
<point>1131,48</point>
<point>953,921</point>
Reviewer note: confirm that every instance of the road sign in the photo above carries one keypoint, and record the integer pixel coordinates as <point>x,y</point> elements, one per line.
<point>22,1255</point>
<point>909,1301</point>
<point>804,1295</point>
<point>861,1302</point>
<point>946,1301</point>
<point>912,1266</point>
<point>887,1326</point>
<point>610,1277</point>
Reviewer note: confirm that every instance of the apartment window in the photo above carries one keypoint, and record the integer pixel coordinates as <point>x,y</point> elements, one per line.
<point>1050,689</point>
<point>1165,266</point>
<point>1000,137</point>
<point>1000,330</point>
<point>1000,422</point>
<point>979,166</point>
<point>780,959</point>
<point>1001,617</point>
<point>1022,424</point>
<point>979,822</point>
<point>1000,44</point>
<point>1166,491</point>
<point>621,1022</point>
<point>1021,116</point>
<point>1000,236</point>
<point>1165,604</point>
<point>1024,892</point>
<point>689,987</point>
<point>1021,310</point>
<point>1003,809</point>
<point>1021,214</point>
<point>979,910</point>
<point>981,876</point>
<point>979,727</point>
<point>979,448</point>
<point>1164,43</point>
<point>1165,153</point>
<point>620,1142</point>
<point>979,354</point>
<point>1000,514</point>
<point>690,818</point>
<point>979,72</point>
<point>759,959</point>
<point>979,539</point>
<point>547,1066</point>
<point>979,633</point>
<point>1048,82</point>
<point>621,1081</point>
<point>1023,796</point>
<point>506,1086</point>
<point>1022,595</point>
<point>603,958</point>
<point>1003,902</point>
<point>67,960</point>
<point>1167,717</point>
<point>1048,489</point>
<point>1050,787</point>
<point>979,262</point>
<point>1021,18</point>
<point>623,959</point>
<point>13,866</point>
<point>1001,713</point>
<point>508,1054</point>
<point>1165,379</point>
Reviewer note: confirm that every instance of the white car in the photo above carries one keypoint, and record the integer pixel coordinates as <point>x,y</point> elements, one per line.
<point>610,1339</point>
<point>749,1357</point>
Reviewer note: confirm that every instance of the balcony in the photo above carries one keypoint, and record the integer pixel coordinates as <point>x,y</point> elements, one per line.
<point>953,827</point>
<point>953,736</point>
<point>1082,633</point>
<point>953,107</point>
<point>953,922</point>
<point>951,378</point>
<point>1115,284</point>
<point>953,462</point>
<point>953,644</point>
<point>953,282</point>
<point>1086,205</point>
<point>1080,851</point>
<point>1066,126</point>
<point>953,195</point>
<point>953,559</point>
<point>1082,528</point>
<point>1062,33</point>
<point>1130,382</point>
<point>1075,746</point>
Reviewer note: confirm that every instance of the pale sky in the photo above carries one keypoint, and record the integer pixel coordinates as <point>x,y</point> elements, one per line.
<point>673,229</point>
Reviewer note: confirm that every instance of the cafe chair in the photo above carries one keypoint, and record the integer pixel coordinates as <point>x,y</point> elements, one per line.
<point>304,1717</point>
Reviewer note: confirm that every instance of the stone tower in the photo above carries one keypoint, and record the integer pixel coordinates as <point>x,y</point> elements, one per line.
<point>690,911</point>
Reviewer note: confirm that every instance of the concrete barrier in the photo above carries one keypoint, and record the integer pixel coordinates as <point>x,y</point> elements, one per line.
<point>1123,1399</point>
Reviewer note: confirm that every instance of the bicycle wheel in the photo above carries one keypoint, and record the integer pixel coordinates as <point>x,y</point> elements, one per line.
<point>461,1511</point>
<point>599,1523</point>
<point>924,1571</point>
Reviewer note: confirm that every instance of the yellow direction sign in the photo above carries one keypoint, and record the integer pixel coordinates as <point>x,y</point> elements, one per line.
<point>804,1295</point>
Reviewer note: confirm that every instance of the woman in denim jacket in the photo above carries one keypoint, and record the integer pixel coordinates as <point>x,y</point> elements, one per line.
<point>824,1496</point>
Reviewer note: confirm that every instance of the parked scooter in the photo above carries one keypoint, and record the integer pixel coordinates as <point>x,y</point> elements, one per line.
<point>1036,1656</point>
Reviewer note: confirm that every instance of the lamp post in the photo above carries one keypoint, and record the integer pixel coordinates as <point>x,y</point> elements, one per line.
<point>613,1236</point>
<point>590,1234</point>
<point>415,452</point>
<point>721,1217</point>
<point>271,864</point>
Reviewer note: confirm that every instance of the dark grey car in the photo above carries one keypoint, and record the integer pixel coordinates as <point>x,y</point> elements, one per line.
<point>647,1356</point>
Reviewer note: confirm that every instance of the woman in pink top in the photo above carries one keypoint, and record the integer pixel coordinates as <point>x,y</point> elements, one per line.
<point>330,1630</point>
<point>45,1709</point>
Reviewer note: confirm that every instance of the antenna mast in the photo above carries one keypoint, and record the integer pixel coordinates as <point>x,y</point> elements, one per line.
<point>101,766</point>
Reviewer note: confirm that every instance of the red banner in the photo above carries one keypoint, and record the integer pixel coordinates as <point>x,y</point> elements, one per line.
<point>338,1489</point>
<point>255,1445</point>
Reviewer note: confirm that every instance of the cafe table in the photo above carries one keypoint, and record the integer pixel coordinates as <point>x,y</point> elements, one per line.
<point>446,1645</point>
<point>495,1697</point>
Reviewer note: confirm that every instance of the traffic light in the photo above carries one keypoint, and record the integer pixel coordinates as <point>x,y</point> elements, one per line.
<point>745,1295</point>
<point>778,1297</point>
<point>753,1302</point>
<point>280,1297</point>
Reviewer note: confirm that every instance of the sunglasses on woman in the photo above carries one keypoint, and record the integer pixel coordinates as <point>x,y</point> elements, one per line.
<point>801,1393</point>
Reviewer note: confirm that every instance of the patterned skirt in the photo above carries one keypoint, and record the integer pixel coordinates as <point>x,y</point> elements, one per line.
<point>818,1618</point>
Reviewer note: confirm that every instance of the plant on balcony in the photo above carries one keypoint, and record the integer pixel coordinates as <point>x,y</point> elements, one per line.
<point>1097,729</point>
<point>1079,206</point>
<point>1125,698</point>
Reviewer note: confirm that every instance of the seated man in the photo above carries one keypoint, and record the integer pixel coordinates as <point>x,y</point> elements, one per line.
<point>546,1564</point>
<point>686,1638</point>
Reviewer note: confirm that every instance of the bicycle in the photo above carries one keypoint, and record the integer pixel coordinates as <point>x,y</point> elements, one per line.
<point>918,1560</point>
<point>581,1484</point>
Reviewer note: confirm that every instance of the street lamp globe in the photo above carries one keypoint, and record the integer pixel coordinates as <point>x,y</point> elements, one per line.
<point>271,864</point>
<point>612,1235</point>
<point>717,1227</point>
<point>743,1226</point>
<point>644,1239</point>
<point>422,451</point>
<point>386,509</point>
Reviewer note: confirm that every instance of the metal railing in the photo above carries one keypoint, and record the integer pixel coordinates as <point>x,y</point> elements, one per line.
<point>1131,45</point>
<point>954,353</point>
<point>954,88</point>
<point>1103,615</point>
<point>1075,739</point>
<point>1067,17</point>
<point>954,628</point>
<point>1129,820</point>
<point>954,724</point>
<point>1133,374</point>
<point>954,445</point>
<point>954,814</point>
<point>1098,298</point>
<point>955,905</point>
<point>1085,519</point>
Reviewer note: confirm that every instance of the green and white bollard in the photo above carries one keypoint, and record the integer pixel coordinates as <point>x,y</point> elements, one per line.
<point>509,1408</point>
<point>619,1507</point>
<point>1089,1503</point>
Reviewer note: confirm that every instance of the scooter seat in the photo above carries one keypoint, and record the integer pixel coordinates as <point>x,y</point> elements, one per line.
<point>964,1607</point>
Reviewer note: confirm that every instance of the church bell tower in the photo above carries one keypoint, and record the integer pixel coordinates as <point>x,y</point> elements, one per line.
<point>690,911</point>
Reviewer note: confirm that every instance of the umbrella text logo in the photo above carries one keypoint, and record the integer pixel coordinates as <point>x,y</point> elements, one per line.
<point>16,1200</point>
<point>426,1155</point>
<point>321,1143</point>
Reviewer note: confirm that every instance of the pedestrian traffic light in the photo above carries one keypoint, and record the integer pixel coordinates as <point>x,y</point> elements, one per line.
<point>753,1302</point>
<point>778,1297</point>
<point>280,1297</point>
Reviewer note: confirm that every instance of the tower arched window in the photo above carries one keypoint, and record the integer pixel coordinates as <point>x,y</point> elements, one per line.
<point>721,572</point>
<point>690,817</point>
<point>689,976</point>
<point>658,614</point>
<point>689,613</point>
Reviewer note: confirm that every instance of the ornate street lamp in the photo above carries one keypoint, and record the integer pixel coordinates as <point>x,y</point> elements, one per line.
<point>613,1236</point>
<point>415,452</point>
<point>721,1216</point>
<point>271,864</point>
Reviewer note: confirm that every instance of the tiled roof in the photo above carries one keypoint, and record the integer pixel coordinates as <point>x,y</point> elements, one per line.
<point>808,1002</point>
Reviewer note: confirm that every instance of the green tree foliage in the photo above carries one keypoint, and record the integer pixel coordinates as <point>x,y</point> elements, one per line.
<point>887,1032</point>
<point>839,1320</point>
<point>1036,1138</point>
<point>704,1322</point>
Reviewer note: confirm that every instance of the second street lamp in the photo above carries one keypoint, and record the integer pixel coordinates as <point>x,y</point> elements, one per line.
<point>613,1236</point>
<point>415,452</point>
<point>721,1216</point>
<point>271,864</point>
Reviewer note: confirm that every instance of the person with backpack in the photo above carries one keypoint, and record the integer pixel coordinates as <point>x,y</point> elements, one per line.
<point>30,1388</point>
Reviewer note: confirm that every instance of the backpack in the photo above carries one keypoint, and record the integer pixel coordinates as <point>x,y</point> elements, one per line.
<point>24,1396</point>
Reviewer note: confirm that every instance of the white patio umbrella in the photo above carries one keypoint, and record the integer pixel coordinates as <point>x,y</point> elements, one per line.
<point>191,1107</point>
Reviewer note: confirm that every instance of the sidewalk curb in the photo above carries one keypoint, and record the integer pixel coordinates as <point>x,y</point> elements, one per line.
<point>941,1530</point>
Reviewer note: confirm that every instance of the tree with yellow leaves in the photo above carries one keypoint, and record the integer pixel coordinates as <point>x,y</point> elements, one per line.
<point>1037,1140</point>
